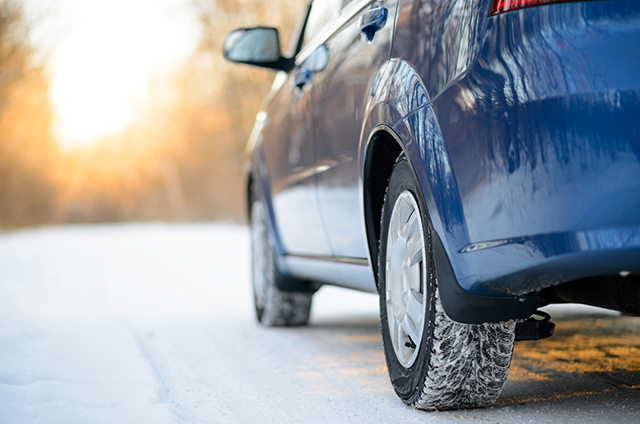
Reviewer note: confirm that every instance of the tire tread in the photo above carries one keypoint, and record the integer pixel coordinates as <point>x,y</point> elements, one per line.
<point>468,364</point>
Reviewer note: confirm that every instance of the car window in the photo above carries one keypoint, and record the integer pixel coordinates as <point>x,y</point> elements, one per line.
<point>295,43</point>
<point>322,12</point>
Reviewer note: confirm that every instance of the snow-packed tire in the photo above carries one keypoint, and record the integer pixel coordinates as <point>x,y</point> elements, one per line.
<point>433,362</point>
<point>273,306</point>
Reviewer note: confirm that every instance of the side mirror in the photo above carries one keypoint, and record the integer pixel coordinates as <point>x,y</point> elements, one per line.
<point>258,46</point>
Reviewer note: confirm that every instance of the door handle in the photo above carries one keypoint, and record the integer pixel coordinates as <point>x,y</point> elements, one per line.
<point>316,62</point>
<point>303,77</point>
<point>373,21</point>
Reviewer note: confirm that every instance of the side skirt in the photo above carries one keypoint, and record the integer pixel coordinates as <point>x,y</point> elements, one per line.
<point>352,273</point>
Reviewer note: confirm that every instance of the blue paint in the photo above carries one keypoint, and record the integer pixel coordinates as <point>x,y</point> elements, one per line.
<point>523,130</point>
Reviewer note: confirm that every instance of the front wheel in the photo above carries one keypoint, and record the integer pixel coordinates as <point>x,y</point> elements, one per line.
<point>273,306</point>
<point>434,363</point>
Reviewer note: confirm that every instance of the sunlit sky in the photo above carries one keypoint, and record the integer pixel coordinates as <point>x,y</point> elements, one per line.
<point>103,56</point>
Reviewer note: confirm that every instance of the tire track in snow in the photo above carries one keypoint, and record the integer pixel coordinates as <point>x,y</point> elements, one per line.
<point>163,390</point>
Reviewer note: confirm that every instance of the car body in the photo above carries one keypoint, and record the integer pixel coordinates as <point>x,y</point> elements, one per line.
<point>518,121</point>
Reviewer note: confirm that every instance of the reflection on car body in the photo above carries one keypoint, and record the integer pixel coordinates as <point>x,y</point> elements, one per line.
<point>468,160</point>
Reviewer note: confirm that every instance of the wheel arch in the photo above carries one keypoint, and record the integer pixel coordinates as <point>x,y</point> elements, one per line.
<point>382,151</point>
<point>400,119</point>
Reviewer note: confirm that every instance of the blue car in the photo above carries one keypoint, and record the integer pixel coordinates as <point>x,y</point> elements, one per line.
<point>468,160</point>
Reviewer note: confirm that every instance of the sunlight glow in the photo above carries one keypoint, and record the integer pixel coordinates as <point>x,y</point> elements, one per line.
<point>105,54</point>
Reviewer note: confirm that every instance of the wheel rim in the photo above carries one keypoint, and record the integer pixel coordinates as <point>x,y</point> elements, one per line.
<point>259,252</point>
<point>405,275</point>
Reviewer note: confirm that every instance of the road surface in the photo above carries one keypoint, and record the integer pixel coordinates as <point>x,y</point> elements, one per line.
<point>152,323</point>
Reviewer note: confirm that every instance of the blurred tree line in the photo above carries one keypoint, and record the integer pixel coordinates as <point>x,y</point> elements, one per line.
<point>28,153</point>
<point>182,160</point>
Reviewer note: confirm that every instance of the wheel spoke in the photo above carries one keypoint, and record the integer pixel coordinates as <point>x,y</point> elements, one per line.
<point>415,307</point>
<point>394,327</point>
<point>414,240</point>
<point>398,337</point>
<point>413,226</point>
<point>395,228</point>
<point>409,328</point>
<point>416,257</point>
<point>404,286</point>
<point>404,209</point>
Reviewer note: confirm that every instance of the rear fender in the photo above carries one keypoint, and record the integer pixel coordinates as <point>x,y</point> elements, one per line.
<point>401,109</point>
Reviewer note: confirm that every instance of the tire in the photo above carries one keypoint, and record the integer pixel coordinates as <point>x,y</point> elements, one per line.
<point>274,307</point>
<point>433,362</point>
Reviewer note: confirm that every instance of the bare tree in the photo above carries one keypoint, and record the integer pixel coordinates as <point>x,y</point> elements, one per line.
<point>27,152</point>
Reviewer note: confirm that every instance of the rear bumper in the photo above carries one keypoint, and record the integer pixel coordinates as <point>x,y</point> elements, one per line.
<point>530,264</point>
<point>543,134</point>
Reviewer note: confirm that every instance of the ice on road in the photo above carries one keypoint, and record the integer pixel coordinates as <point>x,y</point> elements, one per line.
<point>153,323</point>
<point>142,324</point>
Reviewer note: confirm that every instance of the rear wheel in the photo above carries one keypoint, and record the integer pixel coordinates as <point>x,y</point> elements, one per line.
<point>273,306</point>
<point>434,363</point>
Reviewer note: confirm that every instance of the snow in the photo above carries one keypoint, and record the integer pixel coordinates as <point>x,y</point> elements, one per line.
<point>130,323</point>
<point>153,323</point>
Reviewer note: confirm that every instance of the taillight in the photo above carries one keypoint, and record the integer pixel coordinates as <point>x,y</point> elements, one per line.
<point>501,6</point>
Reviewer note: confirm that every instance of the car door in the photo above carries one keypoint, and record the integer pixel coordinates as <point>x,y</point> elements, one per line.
<point>339,97</point>
<point>288,147</point>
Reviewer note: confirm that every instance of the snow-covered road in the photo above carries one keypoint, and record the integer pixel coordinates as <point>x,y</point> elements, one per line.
<point>152,323</point>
